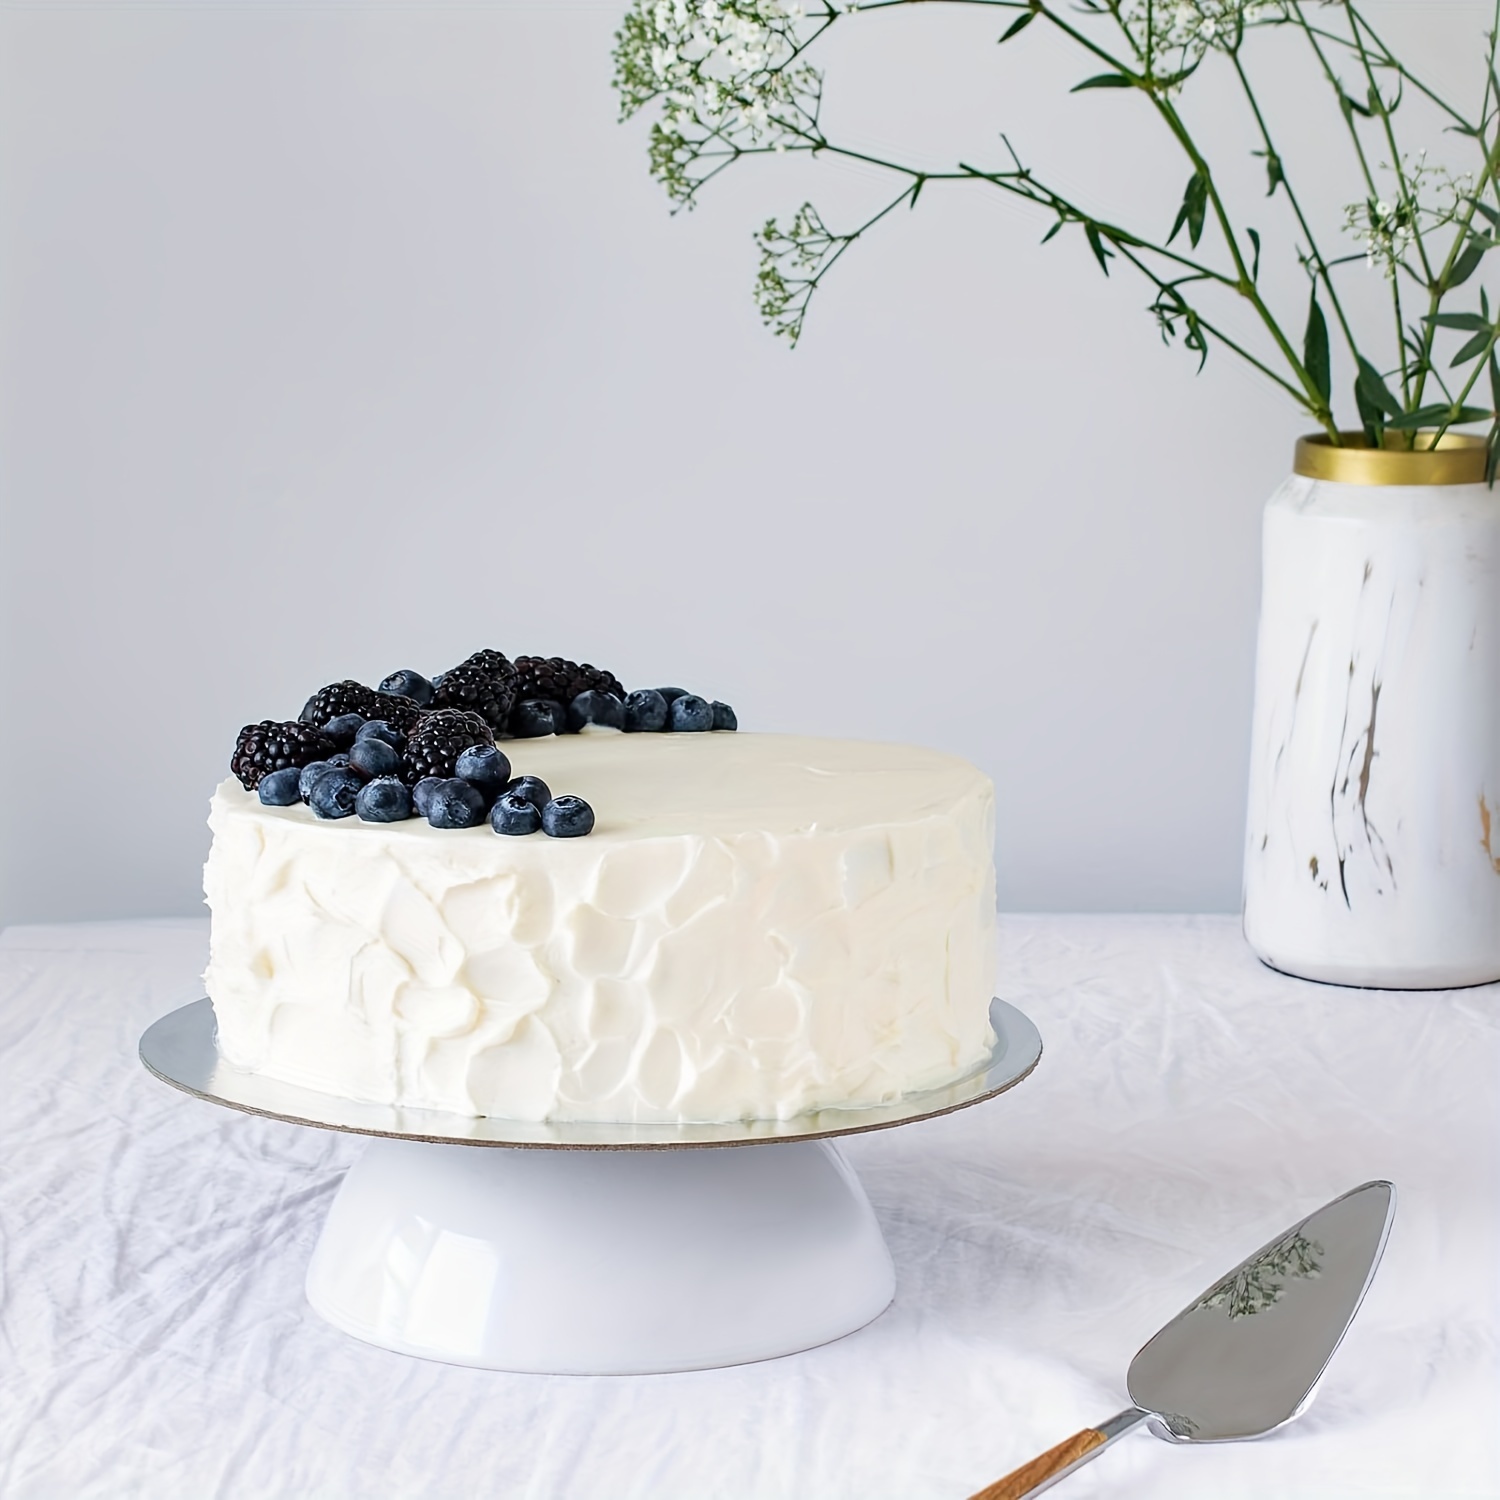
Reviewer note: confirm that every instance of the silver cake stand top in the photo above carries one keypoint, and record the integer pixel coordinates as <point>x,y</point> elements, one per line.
<point>181,1049</point>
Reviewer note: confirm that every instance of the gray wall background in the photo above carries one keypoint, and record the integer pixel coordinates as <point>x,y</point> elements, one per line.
<point>342,337</point>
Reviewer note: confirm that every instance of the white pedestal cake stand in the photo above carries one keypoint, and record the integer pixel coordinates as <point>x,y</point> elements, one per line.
<point>590,1248</point>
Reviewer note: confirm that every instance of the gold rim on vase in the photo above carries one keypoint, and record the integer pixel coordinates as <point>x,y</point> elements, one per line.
<point>1458,458</point>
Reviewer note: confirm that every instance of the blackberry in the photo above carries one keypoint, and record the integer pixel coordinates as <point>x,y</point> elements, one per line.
<point>561,680</point>
<point>473,688</point>
<point>349,697</point>
<point>438,739</point>
<point>492,664</point>
<point>272,746</point>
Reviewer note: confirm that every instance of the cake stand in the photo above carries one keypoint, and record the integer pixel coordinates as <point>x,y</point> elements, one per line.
<point>595,1249</point>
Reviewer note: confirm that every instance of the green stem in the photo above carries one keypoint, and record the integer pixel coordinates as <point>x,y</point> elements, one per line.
<point>1377,103</point>
<point>1371,189</point>
<point>1312,245</point>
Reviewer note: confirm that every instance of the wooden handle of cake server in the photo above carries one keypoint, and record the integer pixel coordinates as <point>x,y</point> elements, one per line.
<point>1045,1470</point>
<point>1042,1473</point>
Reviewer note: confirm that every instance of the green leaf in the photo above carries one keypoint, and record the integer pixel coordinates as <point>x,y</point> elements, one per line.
<point>1473,349</point>
<point>1466,264</point>
<point>1097,246</point>
<point>1274,175</point>
<point>1370,416</point>
<point>1019,24</point>
<point>1194,205</point>
<point>1439,415</point>
<point>1469,322</point>
<point>1315,350</point>
<point>1352,106</point>
<point>1104,81</point>
<point>1493,215</point>
<point>1372,387</point>
<point>1255,263</point>
<point>1057,226</point>
<point>1493,460</point>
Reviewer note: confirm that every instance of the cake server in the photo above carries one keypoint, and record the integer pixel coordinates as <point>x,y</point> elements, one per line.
<point>1247,1356</point>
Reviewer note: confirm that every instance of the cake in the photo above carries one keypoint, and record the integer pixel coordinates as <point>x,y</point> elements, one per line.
<point>757,926</point>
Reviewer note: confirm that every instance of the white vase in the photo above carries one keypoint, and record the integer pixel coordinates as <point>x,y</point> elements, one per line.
<point>1372,852</point>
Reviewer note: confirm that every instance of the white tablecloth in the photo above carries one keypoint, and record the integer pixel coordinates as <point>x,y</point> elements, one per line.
<point>154,1340</point>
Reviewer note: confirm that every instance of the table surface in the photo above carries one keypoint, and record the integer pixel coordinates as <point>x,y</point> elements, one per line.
<point>154,1340</point>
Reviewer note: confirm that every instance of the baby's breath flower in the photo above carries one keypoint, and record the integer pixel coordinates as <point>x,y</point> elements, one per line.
<point>1426,199</point>
<point>1177,34</point>
<point>728,77</point>
<point>792,262</point>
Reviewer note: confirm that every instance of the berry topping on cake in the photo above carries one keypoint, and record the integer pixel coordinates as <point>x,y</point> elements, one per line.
<point>515,814</point>
<point>567,818</point>
<point>672,694</point>
<point>438,739</point>
<point>474,686</point>
<point>532,788</point>
<point>273,746</point>
<point>380,730</point>
<point>596,709</point>
<point>536,717</point>
<point>493,664</point>
<point>689,714</point>
<point>343,729</point>
<point>645,712</point>
<point>279,788</point>
<point>374,757</point>
<point>335,791</point>
<point>562,680</point>
<point>453,803</point>
<point>422,792</point>
<point>408,684</point>
<point>485,767</point>
<point>386,799</point>
<point>350,697</point>
<point>724,716</point>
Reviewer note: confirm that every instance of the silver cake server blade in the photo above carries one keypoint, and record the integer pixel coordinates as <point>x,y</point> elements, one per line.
<point>1245,1357</point>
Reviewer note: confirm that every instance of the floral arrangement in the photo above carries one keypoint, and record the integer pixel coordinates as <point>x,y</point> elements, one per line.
<point>735,78</point>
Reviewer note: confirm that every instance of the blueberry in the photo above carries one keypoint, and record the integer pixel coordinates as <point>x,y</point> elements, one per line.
<point>538,716</point>
<point>724,717</point>
<point>408,684</point>
<point>343,729</point>
<point>485,767</point>
<point>453,803</point>
<point>594,707</point>
<point>689,714</point>
<point>378,729</point>
<point>279,788</point>
<point>384,800</point>
<point>672,694</point>
<point>516,814</point>
<point>308,775</point>
<point>374,757</point>
<point>334,792</point>
<point>421,793</point>
<point>339,759</point>
<point>645,710</point>
<point>532,788</point>
<point>567,818</point>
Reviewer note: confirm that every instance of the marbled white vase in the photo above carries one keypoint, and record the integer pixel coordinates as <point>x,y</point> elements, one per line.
<point>1372,853</point>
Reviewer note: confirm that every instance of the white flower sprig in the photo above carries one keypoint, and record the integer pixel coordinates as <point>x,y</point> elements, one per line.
<point>1424,198</point>
<point>1192,28</point>
<point>729,79</point>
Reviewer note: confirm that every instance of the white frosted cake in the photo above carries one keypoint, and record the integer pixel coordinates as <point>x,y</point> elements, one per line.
<point>758,926</point>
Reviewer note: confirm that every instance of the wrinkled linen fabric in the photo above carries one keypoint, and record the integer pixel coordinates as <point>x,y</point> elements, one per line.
<point>154,1339</point>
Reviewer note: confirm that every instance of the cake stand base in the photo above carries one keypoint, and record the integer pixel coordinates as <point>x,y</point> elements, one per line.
<point>600,1263</point>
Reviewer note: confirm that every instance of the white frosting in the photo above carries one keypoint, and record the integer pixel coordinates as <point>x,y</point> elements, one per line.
<point>758,926</point>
